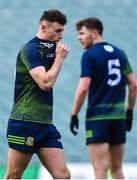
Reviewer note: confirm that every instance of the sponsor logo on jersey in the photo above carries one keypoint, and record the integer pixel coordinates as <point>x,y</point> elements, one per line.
<point>51,55</point>
<point>30,141</point>
<point>108,48</point>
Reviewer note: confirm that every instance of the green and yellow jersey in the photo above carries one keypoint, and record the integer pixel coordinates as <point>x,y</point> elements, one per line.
<point>30,102</point>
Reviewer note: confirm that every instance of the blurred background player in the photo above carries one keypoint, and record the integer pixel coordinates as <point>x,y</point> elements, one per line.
<point>105,71</point>
<point>30,127</point>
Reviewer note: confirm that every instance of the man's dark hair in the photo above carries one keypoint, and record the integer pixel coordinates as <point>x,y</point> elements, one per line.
<point>91,23</point>
<point>53,15</point>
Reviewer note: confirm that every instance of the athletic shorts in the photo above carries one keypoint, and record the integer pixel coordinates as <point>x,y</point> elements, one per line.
<point>30,136</point>
<point>106,131</point>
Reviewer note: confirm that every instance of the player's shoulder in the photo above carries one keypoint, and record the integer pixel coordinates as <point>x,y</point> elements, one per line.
<point>114,49</point>
<point>37,43</point>
<point>120,52</point>
<point>41,43</point>
<point>29,48</point>
<point>110,47</point>
<point>86,53</point>
<point>94,50</point>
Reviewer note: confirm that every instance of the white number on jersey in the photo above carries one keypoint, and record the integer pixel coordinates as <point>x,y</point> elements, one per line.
<point>113,68</point>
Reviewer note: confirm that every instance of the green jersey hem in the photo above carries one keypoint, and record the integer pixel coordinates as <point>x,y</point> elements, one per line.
<point>115,118</point>
<point>35,121</point>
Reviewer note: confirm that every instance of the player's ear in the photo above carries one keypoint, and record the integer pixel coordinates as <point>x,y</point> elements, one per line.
<point>94,34</point>
<point>43,27</point>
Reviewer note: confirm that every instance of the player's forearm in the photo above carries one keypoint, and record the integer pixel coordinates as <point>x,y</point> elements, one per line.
<point>46,79</point>
<point>78,101</point>
<point>132,94</point>
<point>52,74</point>
<point>132,90</point>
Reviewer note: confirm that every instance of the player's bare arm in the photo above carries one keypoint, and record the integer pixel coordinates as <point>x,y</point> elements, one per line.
<point>46,79</point>
<point>132,90</point>
<point>80,95</point>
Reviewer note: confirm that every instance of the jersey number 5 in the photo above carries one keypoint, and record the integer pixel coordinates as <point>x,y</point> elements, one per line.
<point>113,69</point>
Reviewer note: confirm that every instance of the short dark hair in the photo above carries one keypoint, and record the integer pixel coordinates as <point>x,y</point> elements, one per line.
<point>53,15</point>
<point>90,23</point>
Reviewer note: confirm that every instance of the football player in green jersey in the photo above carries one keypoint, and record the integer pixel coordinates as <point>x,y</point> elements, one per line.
<point>30,127</point>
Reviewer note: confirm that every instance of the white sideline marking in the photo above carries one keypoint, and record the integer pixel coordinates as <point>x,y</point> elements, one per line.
<point>85,171</point>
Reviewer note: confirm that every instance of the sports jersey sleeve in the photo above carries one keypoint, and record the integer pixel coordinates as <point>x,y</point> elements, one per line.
<point>86,65</point>
<point>127,67</point>
<point>31,57</point>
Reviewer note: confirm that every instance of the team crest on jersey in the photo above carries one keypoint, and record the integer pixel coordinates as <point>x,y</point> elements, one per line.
<point>30,141</point>
<point>108,48</point>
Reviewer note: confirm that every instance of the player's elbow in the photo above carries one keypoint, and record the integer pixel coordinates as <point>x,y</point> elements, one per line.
<point>133,88</point>
<point>45,86</point>
<point>84,91</point>
<point>132,83</point>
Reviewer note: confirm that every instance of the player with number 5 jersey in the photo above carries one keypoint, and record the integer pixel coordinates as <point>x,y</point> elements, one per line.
<point>105,72</point>
<point>109,67</point>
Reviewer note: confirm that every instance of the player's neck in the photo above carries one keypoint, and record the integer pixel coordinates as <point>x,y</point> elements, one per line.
<point>98,40</point>
<point>41,36</point>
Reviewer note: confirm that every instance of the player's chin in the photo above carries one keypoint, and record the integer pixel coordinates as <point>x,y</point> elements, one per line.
<point>84,46</point>
<point>58,39</point>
